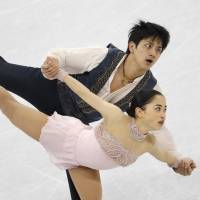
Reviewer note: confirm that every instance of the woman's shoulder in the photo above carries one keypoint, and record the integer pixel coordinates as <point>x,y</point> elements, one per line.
<point>117,115</point>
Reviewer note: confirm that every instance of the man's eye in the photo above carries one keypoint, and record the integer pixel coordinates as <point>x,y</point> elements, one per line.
<point>147,45</point>
<point>159,50</point>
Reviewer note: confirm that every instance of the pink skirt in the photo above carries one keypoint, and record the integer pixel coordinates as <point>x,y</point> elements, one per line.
<point>59,137</point>
<point>70,144</point>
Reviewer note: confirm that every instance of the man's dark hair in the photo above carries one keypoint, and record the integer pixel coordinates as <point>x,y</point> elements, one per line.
<point>143,30</point>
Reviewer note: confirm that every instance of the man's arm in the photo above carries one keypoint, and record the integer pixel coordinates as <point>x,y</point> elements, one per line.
<point>78,60</point>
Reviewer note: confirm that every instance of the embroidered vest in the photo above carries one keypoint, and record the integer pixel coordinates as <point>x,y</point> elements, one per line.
<point>73,105</point>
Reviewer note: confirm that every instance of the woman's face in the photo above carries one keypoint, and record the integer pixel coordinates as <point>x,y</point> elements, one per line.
<point>154,114</point>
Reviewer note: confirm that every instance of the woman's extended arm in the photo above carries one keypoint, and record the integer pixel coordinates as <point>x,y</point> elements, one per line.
<point>104,108</point>
<point>163,154</point>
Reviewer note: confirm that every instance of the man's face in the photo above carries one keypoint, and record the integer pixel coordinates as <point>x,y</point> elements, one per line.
<point>147,52</point>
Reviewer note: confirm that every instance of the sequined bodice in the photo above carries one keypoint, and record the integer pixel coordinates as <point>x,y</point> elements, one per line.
<point>113,148</point>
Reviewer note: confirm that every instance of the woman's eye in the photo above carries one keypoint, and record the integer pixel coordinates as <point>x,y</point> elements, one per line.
<point>157,108</point>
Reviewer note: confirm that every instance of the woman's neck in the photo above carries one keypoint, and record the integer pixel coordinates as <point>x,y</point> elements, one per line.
<point>142,127</point>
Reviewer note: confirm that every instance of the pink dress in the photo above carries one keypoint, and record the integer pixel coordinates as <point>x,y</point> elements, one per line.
<point>70,143</point>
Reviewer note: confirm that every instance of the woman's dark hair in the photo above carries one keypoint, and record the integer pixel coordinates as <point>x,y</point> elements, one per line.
<point>140,99</point>
<point>143,30</point>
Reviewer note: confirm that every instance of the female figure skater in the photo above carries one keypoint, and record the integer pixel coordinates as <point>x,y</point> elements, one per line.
<point>118,140</point>
<point>108,72</point>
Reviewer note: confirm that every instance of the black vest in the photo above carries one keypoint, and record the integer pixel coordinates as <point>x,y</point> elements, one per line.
<point>73,105</point>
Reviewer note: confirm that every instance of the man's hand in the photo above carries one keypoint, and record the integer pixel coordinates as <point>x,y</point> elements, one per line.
<point>185,167</point>
<point>50,68</point>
